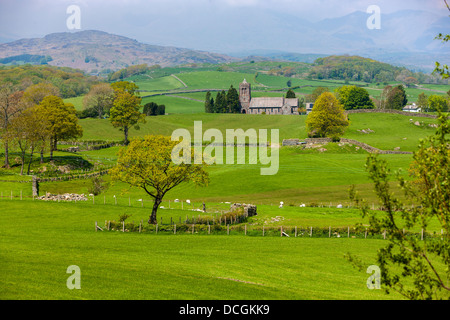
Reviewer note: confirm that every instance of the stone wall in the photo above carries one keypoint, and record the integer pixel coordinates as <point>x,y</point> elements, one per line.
<point>362,145</point>
<point>405,113</point>
<point>249,209</point>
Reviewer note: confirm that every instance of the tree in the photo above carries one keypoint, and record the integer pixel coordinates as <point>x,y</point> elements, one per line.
<point>209,103</point>
<point>26,132</point>
<point>150,109</point>
<point>316,93</point>
<point>100,98</point>
<point>232,101</point>
<point>11,104</point>
<point>353,97</point>
<point>62,120</point>
<point>125,112</point>
<point>422,101</point>
<point>126,86</point>
<point>36,93</point>
<point>327,118</point>
<point>220,104</point>
<point>418,267</point>
<point>290,94</point>
<point>396,98</point>
<point>437,103</point>
<point>147,164</point>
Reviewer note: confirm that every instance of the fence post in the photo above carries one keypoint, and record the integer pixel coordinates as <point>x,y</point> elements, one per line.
<point>245,229</point>
<point>209,228</point>
<point>174,229</point>
<point>228,229</point>
<point>421,235</point>
<point>95,226</point>
<point>123,226</point>
<point>296,231</point>
<point>263,231</point>
<point>281,231</point>
<point>365,235</point>
<point>140,227</point>
<point>348,232</point>
<point>329,232</point>
<point>310,233</point>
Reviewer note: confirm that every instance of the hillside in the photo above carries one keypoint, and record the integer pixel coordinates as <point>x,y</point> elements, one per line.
<point>96,50</point>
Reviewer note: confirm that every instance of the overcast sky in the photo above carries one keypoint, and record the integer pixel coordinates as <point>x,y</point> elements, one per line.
<point>164,22</point>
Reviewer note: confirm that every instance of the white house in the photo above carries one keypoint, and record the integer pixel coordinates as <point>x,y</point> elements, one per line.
<point>412,108</point>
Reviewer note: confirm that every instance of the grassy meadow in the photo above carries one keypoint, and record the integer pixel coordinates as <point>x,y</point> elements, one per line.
<point>39,240</point>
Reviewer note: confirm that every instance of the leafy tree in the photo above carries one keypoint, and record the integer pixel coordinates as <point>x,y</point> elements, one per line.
<point>316,93</point>
<point>126,86</point>
<point>62,121</point>
<point>437,103</point>
<point>36,93</point>
<point>416,267</point>
<point>125,112</point>
<point>353,97</point>
<point>290,94</point>
<point>147,164</point>
<point>232,101</point>
<point>396,98</point>
<point>327,118</point>
<point>209,103</point>
<point>100,98</point>
<point>28,131</point>
<point>422,101</point>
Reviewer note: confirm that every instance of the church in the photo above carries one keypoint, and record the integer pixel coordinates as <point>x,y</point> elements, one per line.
<point>265,105</point>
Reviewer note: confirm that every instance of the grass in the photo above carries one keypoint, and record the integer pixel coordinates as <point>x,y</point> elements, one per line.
<point>43,240</point>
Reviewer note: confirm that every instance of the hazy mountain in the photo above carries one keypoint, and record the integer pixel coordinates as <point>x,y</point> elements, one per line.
<point>89,50</point>
<point>405,38</point>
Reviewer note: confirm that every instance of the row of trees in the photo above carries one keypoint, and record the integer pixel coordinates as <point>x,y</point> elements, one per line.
<point>35,119</point>
<point>225,102</point>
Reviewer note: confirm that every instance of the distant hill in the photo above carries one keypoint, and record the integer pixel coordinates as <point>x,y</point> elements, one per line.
<point>96,50</point>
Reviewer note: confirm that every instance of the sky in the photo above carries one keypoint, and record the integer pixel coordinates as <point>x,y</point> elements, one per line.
<point>195,24</point>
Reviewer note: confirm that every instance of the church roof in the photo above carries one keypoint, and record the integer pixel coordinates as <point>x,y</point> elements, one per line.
<point>273,102</point>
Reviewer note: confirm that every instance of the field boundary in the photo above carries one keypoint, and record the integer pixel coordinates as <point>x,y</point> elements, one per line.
<point>405,113</point>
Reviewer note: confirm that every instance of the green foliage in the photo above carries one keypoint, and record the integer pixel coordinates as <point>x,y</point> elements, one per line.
<point>125,112</point>
<point>97,186</point>
<point>209,103</point>
<point>437,103</point>
<point>70,82</point>
<point>353,97</point>
<point>290,94</point>
<point>130,71</point>
<point>396,98</point>
<point>232,100</point>
<point>153,109</point>
<point>416,268</point>
<point>355,68</point>
<point>327,118</point>
<point>147,164</point>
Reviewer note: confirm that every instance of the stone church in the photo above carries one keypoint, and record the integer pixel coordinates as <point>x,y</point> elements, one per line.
<point>268,105</point>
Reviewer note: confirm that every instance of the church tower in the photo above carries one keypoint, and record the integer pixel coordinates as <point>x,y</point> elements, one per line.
<point>245,95</point>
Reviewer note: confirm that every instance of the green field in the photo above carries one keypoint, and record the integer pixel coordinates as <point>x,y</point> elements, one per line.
<point>44,239</point>
<point>39,240</point>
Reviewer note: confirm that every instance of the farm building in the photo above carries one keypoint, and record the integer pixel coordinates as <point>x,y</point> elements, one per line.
<point>266,105</point>
<point>412,108</point>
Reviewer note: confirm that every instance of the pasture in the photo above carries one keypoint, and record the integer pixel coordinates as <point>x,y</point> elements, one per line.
<point>41,239</point>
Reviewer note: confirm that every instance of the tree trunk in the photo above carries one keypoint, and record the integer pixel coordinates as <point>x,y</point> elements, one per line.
<point>22,157</point>
<point>42,155</point>
<point>6,155</point>
<point>31,160</point>
<point>152,218</point>
<point>125,130</point>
